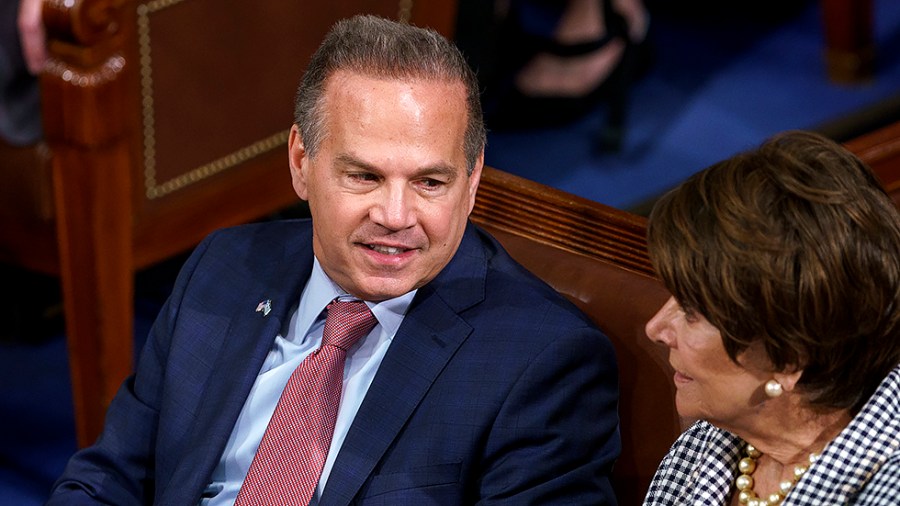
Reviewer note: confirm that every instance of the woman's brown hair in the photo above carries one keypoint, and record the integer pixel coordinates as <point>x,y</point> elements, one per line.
<point>797,246</point>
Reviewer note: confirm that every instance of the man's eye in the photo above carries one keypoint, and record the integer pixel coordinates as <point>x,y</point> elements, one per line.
<point>362,176</point>
<point>432,183</point>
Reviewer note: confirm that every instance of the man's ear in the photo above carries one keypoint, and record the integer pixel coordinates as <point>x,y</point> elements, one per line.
<point>474,179</point>
<point>298,162</point>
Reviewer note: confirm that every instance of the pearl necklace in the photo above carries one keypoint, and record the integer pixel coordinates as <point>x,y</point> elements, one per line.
<point>744,482</point>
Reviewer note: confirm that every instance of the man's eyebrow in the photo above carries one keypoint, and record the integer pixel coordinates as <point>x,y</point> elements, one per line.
<point>348,159</point>
<point>440,169</point>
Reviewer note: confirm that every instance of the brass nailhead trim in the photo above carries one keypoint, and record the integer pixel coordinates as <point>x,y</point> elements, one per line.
<point>152,188</point>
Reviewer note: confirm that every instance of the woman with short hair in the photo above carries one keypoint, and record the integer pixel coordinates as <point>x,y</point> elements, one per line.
<point>783,329</point>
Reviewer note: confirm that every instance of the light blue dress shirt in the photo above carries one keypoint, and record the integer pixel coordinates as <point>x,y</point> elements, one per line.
<point>302,336</point>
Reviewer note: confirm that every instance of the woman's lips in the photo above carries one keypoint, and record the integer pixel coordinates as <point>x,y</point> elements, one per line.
<point>681,378</point>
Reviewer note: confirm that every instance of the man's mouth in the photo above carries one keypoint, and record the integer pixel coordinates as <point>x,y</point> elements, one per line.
<point>386,250</point>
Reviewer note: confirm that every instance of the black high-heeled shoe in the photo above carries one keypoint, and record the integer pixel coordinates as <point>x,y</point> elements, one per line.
<point>508,108</point>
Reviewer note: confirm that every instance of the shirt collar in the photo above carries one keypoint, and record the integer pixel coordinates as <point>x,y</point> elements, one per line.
<point>321,289</point>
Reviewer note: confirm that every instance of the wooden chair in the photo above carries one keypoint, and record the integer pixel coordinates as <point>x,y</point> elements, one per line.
<point>597,257</point>
<point>164,119</point>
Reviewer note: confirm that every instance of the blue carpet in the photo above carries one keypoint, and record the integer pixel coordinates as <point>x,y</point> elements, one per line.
<point>712,91</point>
<point>716,86</point>
<point>37,427</point>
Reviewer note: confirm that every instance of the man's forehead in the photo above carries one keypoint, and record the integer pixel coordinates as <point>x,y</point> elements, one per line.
<point>344,77</point>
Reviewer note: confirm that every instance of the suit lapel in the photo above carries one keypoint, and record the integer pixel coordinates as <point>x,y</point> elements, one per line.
<point>240,354</point>
<point>428,338</point>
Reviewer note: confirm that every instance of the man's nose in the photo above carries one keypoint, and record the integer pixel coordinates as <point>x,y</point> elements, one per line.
<point>396,209</point>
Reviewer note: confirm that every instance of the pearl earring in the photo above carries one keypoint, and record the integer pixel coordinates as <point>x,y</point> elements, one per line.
<point>774,388</point>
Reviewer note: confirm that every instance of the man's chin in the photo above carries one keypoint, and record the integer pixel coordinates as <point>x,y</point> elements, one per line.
<point>379,289</point>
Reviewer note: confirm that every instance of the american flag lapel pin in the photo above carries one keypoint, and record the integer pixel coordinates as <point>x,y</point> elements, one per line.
<point>264,307</point>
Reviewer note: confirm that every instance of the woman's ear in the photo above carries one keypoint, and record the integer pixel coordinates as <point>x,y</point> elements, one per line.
<point>788,379</point>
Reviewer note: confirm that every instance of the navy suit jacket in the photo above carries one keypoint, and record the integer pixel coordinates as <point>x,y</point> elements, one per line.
<point>495,389</point>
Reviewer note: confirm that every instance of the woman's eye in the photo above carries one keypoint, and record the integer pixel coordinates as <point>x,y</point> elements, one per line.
<point>690,315</point>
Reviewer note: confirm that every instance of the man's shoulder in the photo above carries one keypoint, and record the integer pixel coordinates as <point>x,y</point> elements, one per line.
<point>262,238</point>
<point>253,247</point>
<point>507,280</point>
<point>271,256</point>
<point>263,231</point>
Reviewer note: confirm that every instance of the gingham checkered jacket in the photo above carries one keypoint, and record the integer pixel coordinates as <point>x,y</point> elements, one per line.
<point>860,467</point>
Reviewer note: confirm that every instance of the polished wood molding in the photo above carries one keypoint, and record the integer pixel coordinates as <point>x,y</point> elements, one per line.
<point>516,205</point>
<point>880,150</point>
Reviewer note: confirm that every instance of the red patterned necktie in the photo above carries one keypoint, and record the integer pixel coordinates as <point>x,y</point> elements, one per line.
<point>290,457</point>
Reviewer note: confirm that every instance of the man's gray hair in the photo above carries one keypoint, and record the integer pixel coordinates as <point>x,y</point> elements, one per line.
<point>381,48</point>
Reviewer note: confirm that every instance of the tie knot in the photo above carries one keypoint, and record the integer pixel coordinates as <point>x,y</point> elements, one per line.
<point>346,322</point>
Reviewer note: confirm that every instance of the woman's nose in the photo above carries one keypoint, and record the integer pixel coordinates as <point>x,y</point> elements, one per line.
<point>658,329</point>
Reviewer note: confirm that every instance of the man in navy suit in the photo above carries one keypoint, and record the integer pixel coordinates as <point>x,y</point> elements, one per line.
<point>478,384</point>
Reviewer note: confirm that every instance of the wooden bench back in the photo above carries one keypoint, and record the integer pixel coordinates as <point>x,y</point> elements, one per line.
<point>596,256</point>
